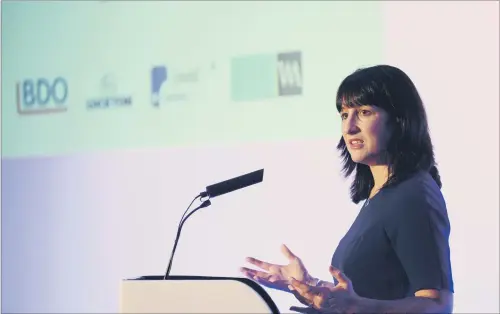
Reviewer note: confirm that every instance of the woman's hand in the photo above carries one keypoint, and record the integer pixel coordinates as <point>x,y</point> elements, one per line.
<point>335,299</point>
<point>278,276</point>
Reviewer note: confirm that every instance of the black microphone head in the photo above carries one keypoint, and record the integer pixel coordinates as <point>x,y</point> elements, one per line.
<point>235,183</point>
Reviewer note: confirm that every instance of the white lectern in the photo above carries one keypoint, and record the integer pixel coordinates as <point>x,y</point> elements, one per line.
<point>194,294</point>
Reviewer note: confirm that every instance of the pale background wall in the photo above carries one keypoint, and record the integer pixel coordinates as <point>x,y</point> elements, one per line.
<point>76,222</point>
<point>453,58</point>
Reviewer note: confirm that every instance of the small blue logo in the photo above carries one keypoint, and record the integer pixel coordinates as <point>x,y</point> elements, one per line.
<point>169,86</point>
<point>158,77</point>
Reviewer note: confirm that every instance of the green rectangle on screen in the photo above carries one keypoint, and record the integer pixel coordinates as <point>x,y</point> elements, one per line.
<point>253,77</point>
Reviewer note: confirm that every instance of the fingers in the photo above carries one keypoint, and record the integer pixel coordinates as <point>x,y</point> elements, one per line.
<point>259,263</point>
<point>300,298</point>
<point>299,285</point>
<point>252,273</point>
<point>306,291</point>
<point>263,281</point>
<point>340,276</point>
<point>271,282</point>
<point>286,251</point>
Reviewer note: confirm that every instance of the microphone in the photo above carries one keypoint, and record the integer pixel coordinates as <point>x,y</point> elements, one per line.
<point>233,184</point>
<point>211,191</point>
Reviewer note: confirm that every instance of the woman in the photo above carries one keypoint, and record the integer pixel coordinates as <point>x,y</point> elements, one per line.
<point>395,258</point>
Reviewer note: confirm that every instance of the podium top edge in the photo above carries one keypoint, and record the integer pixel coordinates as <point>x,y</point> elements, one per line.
<point>182,277</point>
<point>252,284</point>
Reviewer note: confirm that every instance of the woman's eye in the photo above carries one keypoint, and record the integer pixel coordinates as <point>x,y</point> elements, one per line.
<point>343,116</point>
<point>365,112</point>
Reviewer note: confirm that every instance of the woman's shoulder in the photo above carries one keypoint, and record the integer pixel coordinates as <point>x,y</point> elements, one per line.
<point>420,190</point>
<point>416,201</point>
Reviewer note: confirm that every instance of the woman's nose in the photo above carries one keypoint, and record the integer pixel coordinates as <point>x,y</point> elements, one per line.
<point>349,125</point>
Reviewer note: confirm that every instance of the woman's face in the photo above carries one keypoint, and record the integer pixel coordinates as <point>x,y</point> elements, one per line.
<point>366,133</point>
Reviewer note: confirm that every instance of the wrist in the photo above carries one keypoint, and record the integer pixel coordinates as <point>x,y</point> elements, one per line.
<point>313,281</point>
<point>359,304</point>
<point>310,280</point>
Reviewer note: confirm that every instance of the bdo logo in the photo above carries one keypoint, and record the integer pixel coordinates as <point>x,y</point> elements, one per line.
<point>39,96</point>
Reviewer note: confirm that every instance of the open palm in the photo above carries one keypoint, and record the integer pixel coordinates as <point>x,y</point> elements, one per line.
<point>277,276</point>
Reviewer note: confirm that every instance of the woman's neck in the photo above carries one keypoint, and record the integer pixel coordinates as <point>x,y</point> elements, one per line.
<point>380,175</point>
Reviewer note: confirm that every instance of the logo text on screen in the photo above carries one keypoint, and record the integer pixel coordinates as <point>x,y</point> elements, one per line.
<point>42,96</point>
<point>110,96</point>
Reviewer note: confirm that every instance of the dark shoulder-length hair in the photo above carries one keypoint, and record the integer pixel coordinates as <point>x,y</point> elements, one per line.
<point>410,148</point>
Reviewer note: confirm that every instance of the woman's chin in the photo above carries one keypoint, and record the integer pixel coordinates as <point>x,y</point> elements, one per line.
<point>357,158</point>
